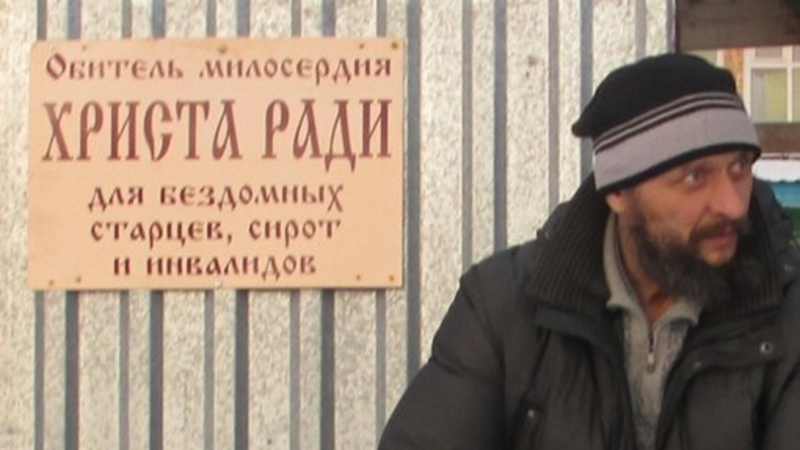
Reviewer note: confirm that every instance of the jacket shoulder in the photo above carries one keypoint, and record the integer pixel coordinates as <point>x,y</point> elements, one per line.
<point>503,276</point>
<point>496,286</point>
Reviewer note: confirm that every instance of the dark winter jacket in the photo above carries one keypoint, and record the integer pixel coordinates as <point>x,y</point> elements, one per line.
<point>529,357</point>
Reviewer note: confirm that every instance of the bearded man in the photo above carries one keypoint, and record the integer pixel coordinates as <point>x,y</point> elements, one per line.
<point>658,309</point>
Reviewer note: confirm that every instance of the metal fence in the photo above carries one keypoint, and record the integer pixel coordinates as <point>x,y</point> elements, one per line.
<point>492,88</point>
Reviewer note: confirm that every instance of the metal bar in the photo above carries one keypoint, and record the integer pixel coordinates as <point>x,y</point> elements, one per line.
<point>414,31</point>
<point>156,370</point>
<point>242,358</point>
<point>587,68</point>
<point>466,134</point>
<point>500,125</point>
<point>72,372</point>
<point>553,105</point>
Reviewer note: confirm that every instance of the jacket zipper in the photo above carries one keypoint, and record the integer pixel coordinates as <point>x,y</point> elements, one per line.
<point>625,436</point>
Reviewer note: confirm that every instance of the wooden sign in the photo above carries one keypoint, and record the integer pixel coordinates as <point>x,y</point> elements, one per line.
<point>211,163</point>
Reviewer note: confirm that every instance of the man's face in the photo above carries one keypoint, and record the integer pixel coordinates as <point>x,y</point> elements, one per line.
<point>697,209</point>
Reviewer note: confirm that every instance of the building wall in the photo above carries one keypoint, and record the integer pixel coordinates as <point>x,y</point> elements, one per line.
<point>492,89</point>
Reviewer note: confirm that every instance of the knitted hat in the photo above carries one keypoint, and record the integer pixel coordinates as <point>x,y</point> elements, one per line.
<point>658,113</point>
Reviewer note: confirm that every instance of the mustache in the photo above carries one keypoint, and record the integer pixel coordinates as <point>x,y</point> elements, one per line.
<point>741,226</point>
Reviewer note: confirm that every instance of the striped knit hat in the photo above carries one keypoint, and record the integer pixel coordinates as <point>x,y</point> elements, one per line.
<point>658,113</point>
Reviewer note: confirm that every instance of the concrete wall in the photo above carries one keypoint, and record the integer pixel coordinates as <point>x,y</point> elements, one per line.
<point>492,88</point>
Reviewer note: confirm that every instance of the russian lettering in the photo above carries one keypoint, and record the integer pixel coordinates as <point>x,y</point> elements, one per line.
<point>286,68</point>
<point>122,266</point>
<point>91,122</point>
<point>118,130</point>
<point>309,125</point>
<point>227,125</point>
<point>253,70</point>
<point>291,194</point>
<point>271,68</point>
<point>289,265</point>
<point>76,70</point>
<point>158,124</point>
<point>193,266</point>
<point>149,133</point>
<point>269,195</point>
<point>118,66</point>
<point>206,196</point>
<point>192,108</point>
<point>186,195</point>
<point>322,69</point>
<point>57,134</point>
<point>381,123</point>
<point>274,124</point>
<point>173,71</point>
<point>155,266</point>
<point>228,198</point>
<point>308,197</point>
<point>56,65</point>
<point>271,269</point>
<point>268,267</point>
<point>158,70</point>
<point>96,69</point>
<point>292,230</point>
<point>342,72</point>
<point>214,232</point>
<point>307,265</point>
<point>167,196</point>
<point>334,192</point>
<point>249,265</point>
<point>383,65</point>
<point>153,233</point>
<point>246,194</point>
<point>97,231</point>
<point>361,65</point>
<point>214,268</point>
<point>304,67</point>
<point>341,123</point>
<point>232,197</point>
<point>212,69</point>
<point>139,69</point>
<point>135,196</point>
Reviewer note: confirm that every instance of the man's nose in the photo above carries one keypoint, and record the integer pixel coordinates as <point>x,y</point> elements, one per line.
<point>731,198</point>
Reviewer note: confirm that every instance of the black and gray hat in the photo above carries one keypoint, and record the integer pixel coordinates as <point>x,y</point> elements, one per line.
<point>660,112</point>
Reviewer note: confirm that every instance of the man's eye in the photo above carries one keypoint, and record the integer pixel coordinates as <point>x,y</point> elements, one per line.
<point>742,166</point>
<point>694,177</point>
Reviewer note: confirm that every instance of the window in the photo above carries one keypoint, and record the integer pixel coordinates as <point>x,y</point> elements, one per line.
<point>767,74</point>
<point>772,83</point>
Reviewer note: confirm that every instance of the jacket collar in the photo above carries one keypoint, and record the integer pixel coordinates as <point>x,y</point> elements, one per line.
<point>568,269</point>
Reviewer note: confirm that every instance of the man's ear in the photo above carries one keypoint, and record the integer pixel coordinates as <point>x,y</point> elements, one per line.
<point>617,201</point>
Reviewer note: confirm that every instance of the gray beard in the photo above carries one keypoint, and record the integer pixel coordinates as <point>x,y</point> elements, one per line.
<point>677,269</point>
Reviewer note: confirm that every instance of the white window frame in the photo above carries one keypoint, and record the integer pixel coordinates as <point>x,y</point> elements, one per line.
<point>785,63</point>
